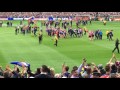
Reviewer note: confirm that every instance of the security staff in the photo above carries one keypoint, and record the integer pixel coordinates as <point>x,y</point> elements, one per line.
<point>56,40</point>
<point>116,45</point>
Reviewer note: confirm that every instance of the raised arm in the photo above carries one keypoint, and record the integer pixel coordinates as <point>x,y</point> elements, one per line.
<point>114,57</point>
<point>110,61</point>
<point>63,67</point>
<point>80,67</point>
<point>8,68</point>
<point>95,67</point>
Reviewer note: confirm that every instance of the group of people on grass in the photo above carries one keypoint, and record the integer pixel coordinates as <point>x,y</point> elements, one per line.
<point>60,31</point>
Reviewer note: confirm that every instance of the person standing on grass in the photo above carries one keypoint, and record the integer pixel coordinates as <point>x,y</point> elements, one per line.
<point>110,35</point>
<point>116,45</point>
<point>16,30</point>
<point>8,24</point>
<point>71,22</point>
<point>104,23</point>
<point>90,21</point>
<point>40,37</point>
<point>96,34</point>
<point>56,40</point>
<point>107,33</point>
<point>21,22</point>
<point>91,35</point>
<point>100,34</point>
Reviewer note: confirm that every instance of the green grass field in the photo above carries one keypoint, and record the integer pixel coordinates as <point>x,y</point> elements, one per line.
<point>71,50</point>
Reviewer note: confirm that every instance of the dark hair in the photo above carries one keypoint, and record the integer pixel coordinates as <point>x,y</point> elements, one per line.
<point>96,74</point>
<point>6,75</point>
<point>75,68</point>
<point>44,68</point>
<point>107,68</point>
<point>18,70</point>
<point>37,71</point>
<point>102,71</point>
<point>95,71</point>
<point>113,67</point>
<point>66,68</point>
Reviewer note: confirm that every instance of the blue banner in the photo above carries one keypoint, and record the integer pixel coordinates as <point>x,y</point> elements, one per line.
<point>50,18</point>
<point>10,18</point>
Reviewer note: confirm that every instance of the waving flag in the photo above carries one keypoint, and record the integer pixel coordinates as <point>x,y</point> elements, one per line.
<point>20,63</point>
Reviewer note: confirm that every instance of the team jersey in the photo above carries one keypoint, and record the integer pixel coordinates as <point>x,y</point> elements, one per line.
<point>107,32</point>
<point>55,38</point>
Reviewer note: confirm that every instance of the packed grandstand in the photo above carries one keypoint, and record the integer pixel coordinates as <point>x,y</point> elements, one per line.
<point>100,15</point>
<point>55,14</point>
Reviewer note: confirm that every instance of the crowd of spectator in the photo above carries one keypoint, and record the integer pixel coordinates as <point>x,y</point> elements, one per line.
<point>85,70</point>
<point>55,14</point>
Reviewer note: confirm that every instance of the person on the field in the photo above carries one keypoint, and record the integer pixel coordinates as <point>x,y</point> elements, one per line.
<point>10,24</point>
<point>116,45</point>
<point>91,35</point>
<point>90,21</point>
<point>62,23</point>
<point>85,30</point>
<point>77,24</point>
<point>96,34</point>
<point>40,36</point>
<point>104,23</point>
<point>35,30</point>
<point>100,35</point>
<point>107,33</point>
<point>16,30</point>
<point>23,30</point>
<point>56,40</point>
<point>21,22</point>
<point>110,35</point>
<point>71,22</point>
